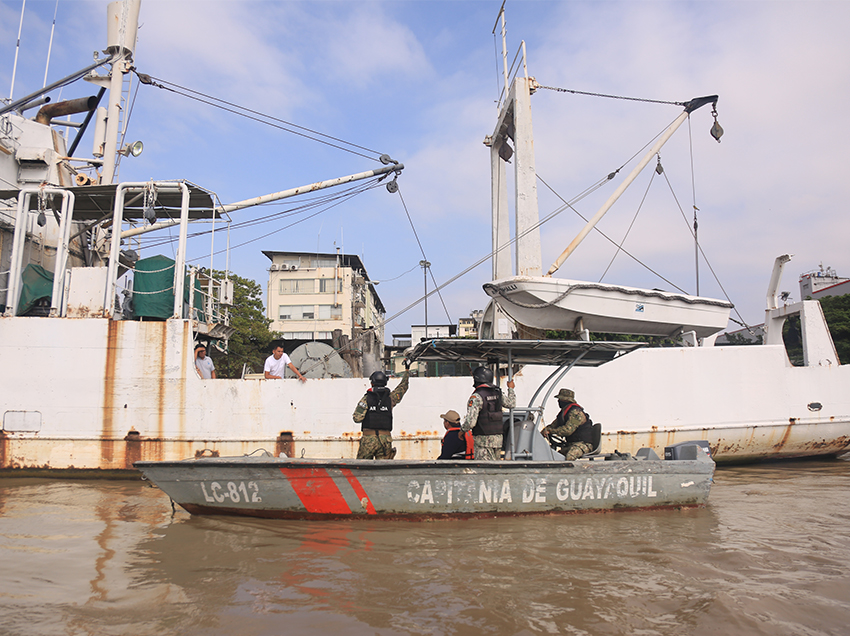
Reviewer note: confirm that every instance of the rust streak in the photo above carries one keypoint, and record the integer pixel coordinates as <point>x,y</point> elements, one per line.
<point>161,381</point>
<point>132,448</point>
<point>4,444</point>
<point>785,435</point>
<point>113,329</point>
<point>187,367</point>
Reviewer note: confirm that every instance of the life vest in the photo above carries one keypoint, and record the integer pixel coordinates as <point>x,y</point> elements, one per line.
<point>469,453</point>
<point>584,433</point>
<point>490,416</point>
<point>379,409</point>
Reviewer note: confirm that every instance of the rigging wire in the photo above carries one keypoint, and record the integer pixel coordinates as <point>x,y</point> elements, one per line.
<point>631,225</point>
<point>566,205</point>
<point>257,116</point>
<point>50,45</point>
<point>126,127</point>
<point>389,280</point>
<point>311,203</point>
<point>631,99</point>
<point>422,250</point>
<point>329,203</point>
<point>699,247</point>
<point>608,238</point>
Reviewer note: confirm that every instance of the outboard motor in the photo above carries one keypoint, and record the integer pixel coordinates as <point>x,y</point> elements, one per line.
<point>687,450</point>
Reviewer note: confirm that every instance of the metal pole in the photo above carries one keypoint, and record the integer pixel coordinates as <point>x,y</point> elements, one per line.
<point>691,106</point>
<point>277,196</point>
<point>616,195</point>
<point>510,445</point>
<point>425,265</point>
<point>17,48</point>
<point>65,80</point>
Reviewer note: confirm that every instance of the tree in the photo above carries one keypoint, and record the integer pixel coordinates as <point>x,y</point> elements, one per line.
<point>250,342</point>
<point>836,310</point>
<point>741,339</point>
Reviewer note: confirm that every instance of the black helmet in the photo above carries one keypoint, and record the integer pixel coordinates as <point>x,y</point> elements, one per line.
<point>482,375</point>
<point>379,378</point>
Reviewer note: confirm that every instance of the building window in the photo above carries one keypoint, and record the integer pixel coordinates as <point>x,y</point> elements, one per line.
<point>324,335</point>
<point>326,285</point>
<point>297,335</point>
<point>296,312</point>
<point>329,312</point>
<point>297,286</point>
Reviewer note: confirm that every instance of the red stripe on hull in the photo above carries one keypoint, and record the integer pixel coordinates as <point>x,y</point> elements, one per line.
<point>316,490</point>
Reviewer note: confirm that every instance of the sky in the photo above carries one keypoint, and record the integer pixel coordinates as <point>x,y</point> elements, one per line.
<point>420,80</point>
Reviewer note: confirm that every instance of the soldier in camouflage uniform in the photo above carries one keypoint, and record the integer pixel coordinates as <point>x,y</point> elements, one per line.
<point>484,414</point>
<point>375,412</point>
<point>572,425</point>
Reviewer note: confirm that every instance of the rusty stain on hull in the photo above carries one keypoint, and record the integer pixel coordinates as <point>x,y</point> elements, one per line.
<point>753,445</point>
<point>161,381</point>
<point>109,375</point>
<point>284,445</point>
<point>779,446</point>
<point>187,367</point>
<point>132,449</point>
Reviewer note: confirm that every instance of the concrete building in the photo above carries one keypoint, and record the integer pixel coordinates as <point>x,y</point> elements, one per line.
<point>418,334</point>
<point>468,327</point>
<point>312,295</point>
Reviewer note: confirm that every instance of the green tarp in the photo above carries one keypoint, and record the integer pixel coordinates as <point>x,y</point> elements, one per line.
<point>153,289</point>
<point>36,283</point>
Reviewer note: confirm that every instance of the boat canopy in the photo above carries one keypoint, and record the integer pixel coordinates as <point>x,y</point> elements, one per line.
<point>93,203</point>
<point>544,352</point>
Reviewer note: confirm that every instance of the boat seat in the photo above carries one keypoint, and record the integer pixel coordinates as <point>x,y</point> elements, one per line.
<point>595,439</point>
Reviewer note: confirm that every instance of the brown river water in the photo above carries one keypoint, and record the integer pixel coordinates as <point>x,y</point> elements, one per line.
<point>769,554</point>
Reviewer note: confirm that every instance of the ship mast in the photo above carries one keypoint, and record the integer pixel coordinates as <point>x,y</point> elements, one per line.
<point>514,125</point>
<point>122,25</point>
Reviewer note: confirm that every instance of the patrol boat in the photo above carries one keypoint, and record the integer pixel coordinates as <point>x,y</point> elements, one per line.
<point>533,478</point>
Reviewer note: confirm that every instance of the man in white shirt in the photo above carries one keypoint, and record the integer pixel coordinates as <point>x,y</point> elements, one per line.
<point>203,364</point>
<point>276,363</point>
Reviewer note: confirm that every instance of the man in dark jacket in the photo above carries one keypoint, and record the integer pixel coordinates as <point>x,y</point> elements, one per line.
<point>457,443</point>
<point>484,414</point>
<point>571,425</point>
<point>375,412</point>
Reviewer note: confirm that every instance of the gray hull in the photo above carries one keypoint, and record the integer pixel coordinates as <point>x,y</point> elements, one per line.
<point>321,489</point>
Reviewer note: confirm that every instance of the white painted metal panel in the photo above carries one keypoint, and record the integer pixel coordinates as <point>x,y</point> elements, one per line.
<point>22,421</point>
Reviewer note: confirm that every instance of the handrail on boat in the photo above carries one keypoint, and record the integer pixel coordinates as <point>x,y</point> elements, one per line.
<point>563,354</point>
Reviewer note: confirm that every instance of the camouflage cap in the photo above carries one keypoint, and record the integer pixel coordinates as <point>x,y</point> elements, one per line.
<point>567,395</point>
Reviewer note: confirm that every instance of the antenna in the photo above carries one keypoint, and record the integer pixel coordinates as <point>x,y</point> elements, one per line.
<point>50,46</point>
<point>17,48</point>
<point>319,239</point>
<point>504,47</point>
